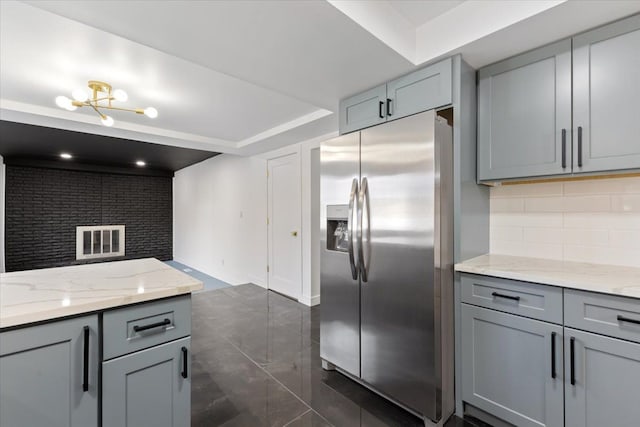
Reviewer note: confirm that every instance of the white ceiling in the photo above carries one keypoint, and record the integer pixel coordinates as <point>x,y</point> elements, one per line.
<point>249,76</point>
<point>420,12</point>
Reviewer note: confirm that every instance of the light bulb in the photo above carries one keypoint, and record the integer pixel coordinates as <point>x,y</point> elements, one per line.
<point>141,163</point>
<point>80,95</point>
<point>151,112</point>
<point>107,120</point>
<point>66,156</point>
<point>63,102</point>
<point>120,95</point>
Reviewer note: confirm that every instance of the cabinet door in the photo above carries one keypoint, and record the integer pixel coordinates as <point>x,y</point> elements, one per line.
<point>363,110</point>
<point>512,367</point>
<point>606,90</point>
<point>605,373</point>
<point>524,115</point>
<point>42,373</point>
<point>422,90</point>
<point>148,388</point>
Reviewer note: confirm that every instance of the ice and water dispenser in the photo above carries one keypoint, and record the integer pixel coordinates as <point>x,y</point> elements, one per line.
<point>337,228</point>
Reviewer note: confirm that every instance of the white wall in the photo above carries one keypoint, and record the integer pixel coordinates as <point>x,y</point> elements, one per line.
<point>1,215</point>
<point>208,198</point>
<point>595,221</point>
<point>220,210</point>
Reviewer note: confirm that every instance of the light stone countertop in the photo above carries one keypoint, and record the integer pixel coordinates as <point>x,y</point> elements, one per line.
<point>38,295</point>
<point>608,279</point>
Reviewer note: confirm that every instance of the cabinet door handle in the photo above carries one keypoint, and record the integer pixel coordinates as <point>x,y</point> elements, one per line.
<point>580,146</point>
<point>380,105</point>
<point>572,361</point>
<point>628,320</point>
<point>564,148</point>
<point>165,322</point>
<point>185,362</point>
<point>85,361</point>
<point>389,107</point>
<point>553,355</point>
<point>497,295</point>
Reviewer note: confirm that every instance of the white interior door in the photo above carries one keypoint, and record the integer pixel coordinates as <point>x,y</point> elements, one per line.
<point>285,249</point>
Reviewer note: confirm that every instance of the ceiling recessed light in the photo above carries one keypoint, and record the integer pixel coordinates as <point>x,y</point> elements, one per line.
<point>66,156</point>
<point>141,163</point>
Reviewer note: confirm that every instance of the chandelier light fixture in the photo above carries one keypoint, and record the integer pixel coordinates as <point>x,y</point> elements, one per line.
<point>101,98</point>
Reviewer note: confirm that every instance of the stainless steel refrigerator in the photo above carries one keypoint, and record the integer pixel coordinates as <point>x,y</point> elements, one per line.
<point>386,261</point>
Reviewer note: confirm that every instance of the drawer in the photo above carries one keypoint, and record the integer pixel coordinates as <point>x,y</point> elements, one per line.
<point>130,329</point>
<point>527,299</point>
<point>610,315</point>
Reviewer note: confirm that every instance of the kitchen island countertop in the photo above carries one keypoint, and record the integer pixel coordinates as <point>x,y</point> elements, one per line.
<point>50,293</point>
<point>607,279</point>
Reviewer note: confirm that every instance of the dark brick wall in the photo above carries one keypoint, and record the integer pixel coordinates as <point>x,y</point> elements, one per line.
<point>44,206</point>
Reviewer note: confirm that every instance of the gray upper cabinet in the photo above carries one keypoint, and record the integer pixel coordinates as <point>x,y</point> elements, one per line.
<point>363,110</point>
<point>601,381</point>
<point>512,367</point>
<point>606,94</point>
<point>422,90</point>
<point>49,374</point>
<point>570,107</point>
<point>149,388</point>
<point>524,115</point>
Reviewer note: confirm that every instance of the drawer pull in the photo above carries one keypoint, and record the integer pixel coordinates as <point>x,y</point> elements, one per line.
<point>553,355</point>
<point>185,362</point>
<point>497,295</point>
<point>626,319</point>
<point>165,322</point>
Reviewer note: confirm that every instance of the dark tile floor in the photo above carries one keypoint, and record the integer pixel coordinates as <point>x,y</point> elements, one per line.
<point>256,362</point>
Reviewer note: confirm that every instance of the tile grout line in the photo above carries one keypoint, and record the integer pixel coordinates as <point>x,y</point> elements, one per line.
<point>278,381</point>
<point>310,409</point>
<point>297,418</point>
<point>265,371</point>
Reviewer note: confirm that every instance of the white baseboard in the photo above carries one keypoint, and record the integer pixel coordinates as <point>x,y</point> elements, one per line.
<point>309,301</point>
<point>257,280</point>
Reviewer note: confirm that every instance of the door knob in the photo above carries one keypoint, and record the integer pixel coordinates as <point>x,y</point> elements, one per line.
<point>294,233</point>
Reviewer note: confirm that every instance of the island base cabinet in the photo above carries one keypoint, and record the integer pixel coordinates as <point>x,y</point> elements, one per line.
<point>601,386</point>
<point>49,374</point>
<point>148,388</point>
<point>512,367</point>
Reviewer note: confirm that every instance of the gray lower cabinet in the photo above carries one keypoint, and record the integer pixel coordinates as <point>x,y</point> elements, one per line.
<point>524,115</point>
<point>148,388</point>
<point>529,372</point>
<point>49,374</point>
<point>512,367</point>
<point>601,385</point>
<point>363,110</point>
<point>606,89</point>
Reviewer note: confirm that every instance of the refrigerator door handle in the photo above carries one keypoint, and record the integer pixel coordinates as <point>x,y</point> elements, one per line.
<point>363,202</point>
<point>352,200</point>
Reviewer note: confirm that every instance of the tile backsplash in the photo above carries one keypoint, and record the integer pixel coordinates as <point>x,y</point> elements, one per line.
<point>594,221</point>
